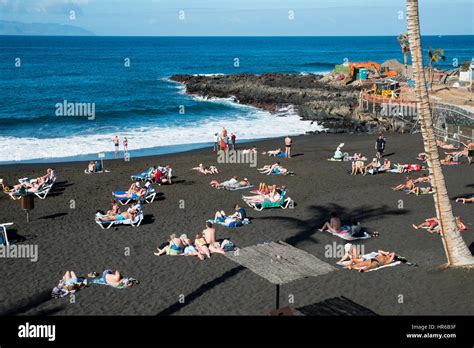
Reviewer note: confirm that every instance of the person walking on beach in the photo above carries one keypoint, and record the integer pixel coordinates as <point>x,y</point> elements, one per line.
<point>216,142</point>
<point>232,139</point>
<point>380,146</point>
<point>470,151</point>
<point>288,143</point>
<point>116,145</point>
<point>125,146</point>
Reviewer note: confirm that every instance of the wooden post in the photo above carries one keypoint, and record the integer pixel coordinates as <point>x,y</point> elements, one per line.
<point>278,296</point>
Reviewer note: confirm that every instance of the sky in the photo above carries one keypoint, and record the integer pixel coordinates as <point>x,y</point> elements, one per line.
<point>244,17</point>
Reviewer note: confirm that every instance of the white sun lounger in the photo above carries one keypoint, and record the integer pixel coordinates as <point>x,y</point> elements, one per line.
<point>105,225</point>
<point>3,233</point>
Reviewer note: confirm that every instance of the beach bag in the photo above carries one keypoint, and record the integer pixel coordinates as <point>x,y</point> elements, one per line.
<point>227,245</point>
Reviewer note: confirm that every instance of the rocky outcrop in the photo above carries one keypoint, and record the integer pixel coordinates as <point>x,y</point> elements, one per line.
<point>332,105</point>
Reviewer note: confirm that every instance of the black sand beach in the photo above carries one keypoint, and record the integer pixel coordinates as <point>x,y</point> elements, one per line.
<point>69,239</point>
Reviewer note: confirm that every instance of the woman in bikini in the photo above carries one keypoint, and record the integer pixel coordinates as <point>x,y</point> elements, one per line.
<point>383,258</point>
<point>115,208</point>
<point>334,224</point>
<point>201,245</point>
<point>372,165</point>
<point>126,215</point>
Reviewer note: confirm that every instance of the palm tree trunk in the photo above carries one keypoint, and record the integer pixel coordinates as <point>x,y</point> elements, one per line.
<point>457,252</point>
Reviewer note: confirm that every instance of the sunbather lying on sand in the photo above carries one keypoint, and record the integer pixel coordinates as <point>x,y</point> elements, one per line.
<point>444,145</point>
<point>275,168</point>
<point>231,183</point>
<point>276,152</point>
<point>333,225</point>
<point>248,151</point>
<point>449,160</point>
<point>432,225</point>
<point>114,279</point>
<point>70,283</point>
<point>404,168</point>
<point>424,178</point>
<point>222,218</point>
<point>421,190</point>
<point>458,154</point>
<point>408,185</point>
<point>383,258</point>
<point>351,254</point>
<point>465,200</point>
<point>206,170</point>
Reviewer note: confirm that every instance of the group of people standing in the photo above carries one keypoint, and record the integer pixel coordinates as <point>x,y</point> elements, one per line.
<point>223,141</point>
<point>116,141</point>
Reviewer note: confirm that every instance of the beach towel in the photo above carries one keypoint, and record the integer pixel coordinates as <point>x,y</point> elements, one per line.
<point>332,159</point>
<point>235,188</point>
<point>452,163</point>
<point>232,224</point>
<point>421,193</point>
<point>370,256</point>
<point>101,280</point>
<point>345,234</point>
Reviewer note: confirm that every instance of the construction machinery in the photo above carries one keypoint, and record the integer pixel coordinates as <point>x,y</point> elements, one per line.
<point>386,88</point>
<point>373,69</point>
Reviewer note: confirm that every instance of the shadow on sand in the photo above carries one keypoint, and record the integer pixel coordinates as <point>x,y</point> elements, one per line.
<point>307,228</point>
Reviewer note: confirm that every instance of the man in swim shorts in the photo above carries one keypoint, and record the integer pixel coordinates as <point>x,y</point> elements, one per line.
<point>288,143</point>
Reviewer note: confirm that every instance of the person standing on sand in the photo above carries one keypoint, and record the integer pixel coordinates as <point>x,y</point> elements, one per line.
<point>380,146</point>
<point>216,142</point>
<point>288,143</point>
<point>224,132</point>
<point>209,234</point>
<point>232,139</point>
<point>125,146</point>
<point>116,145</point>
<point>470,151</point>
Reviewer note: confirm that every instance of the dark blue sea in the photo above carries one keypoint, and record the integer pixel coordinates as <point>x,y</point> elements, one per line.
<point>137,100</point>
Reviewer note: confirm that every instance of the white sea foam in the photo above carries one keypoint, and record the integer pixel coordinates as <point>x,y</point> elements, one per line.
<point>260,124</point>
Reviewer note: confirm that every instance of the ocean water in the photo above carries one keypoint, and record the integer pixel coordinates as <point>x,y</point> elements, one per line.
<point>140,102</point>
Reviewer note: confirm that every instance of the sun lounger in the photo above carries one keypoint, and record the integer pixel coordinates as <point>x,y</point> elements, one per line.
<point>44,190</point>
<point>345,234</point>
<point>370,256</point>
<point>108,224</point>
<point>41,193</point>
<point>283,203</point>
<point>3,234</point>
<point>145,176</point>
<point>149,197</point>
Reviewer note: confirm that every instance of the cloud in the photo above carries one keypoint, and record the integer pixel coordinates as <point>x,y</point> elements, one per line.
<point>42,6</point>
